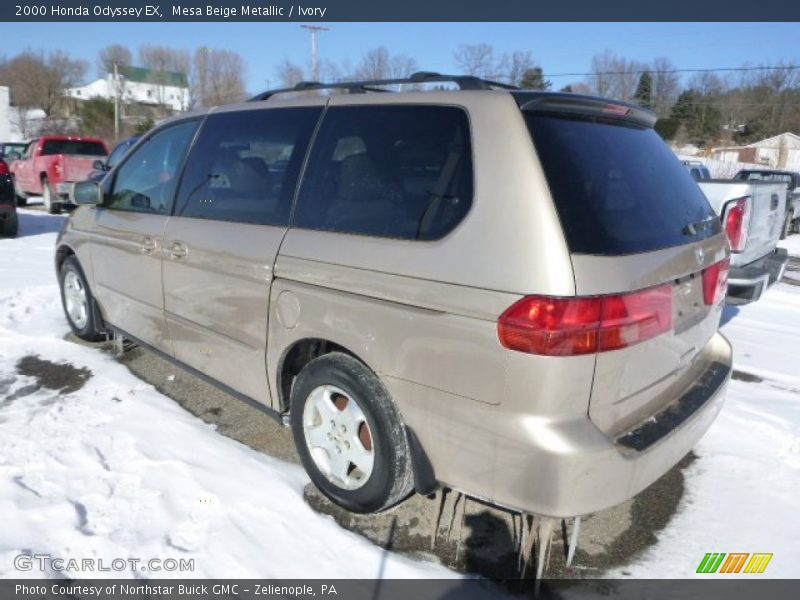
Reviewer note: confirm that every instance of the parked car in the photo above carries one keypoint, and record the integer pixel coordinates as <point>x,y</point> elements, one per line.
<point>102,166</point>
<point>791,223</point>
<point>51,164</point>
<point>512,293</point>
<point>8,206</point>
<point>752,213</point>
<point>11,151</point>
<point>697,169</point>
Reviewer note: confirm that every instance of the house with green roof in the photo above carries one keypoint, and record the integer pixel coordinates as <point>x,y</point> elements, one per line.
<point>139,85</point>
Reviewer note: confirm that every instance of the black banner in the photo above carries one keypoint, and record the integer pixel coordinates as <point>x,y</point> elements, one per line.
<point>729,588</point>
<point>400,10</point>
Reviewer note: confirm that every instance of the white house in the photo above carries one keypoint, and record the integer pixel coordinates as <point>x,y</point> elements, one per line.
<point>141,86</point>
<point>779,152</point>
<point>17,125</point>
<point>5,116</point>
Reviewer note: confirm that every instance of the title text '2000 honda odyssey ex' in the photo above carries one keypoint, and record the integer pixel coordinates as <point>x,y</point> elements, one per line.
<point>513,294</point>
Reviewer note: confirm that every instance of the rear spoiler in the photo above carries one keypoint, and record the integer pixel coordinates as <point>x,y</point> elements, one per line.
<point>588,106</point>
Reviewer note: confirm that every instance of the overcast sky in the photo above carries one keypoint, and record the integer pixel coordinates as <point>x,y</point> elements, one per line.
<point>559,48</point>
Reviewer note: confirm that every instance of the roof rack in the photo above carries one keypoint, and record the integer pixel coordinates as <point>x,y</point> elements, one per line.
<point>464,82</point>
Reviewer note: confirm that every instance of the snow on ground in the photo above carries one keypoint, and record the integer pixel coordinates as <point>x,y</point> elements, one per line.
<point>742,494</point>
<point>792,244</point>
<point>117,470</point>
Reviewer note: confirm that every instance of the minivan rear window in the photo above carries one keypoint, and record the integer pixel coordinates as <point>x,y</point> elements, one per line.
<point>618,189</point>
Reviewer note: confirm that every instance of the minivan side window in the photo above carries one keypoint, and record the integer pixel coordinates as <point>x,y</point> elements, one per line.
<point>244,165</point>
<point>146,181</point>
<point>388,171</point>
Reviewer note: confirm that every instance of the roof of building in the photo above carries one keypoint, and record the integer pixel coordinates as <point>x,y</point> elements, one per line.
<point>144,75</point>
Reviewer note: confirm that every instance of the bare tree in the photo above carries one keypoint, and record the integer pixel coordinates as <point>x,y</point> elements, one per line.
<point>167,67</point>
<point>374,64</point>
<point>479,60</point>
<point>666,85</point>
<point>115,54</point>
<point>39,81</point>
<point>217,77</point>
<point>615,76</point>
<point>519,64</point>
<point>403,65</point>
<point>289,73</point>
<point>379,63</point>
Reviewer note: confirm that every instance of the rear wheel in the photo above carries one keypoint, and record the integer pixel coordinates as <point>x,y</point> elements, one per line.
<point>49,198</point>
<point>77,301</point>
<point>9,226</point>
<point>349,434</point>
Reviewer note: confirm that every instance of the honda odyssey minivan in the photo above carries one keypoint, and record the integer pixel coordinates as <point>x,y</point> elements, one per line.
<point>515,294</point>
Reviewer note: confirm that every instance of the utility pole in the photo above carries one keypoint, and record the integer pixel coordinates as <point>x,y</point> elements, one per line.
<point>313,30</point>
<point>116,102</point>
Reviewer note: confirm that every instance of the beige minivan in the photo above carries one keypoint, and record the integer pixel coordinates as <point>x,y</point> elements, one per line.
<point>510,293</point>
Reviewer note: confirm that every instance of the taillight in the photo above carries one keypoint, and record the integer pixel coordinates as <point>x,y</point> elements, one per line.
<point>736,218</point>
<point>57,168</point>
<point>3,167</point>
<point>558,326</point>
<point>715,281</point>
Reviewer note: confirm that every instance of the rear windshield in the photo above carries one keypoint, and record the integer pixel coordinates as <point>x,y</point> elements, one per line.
<point>73,147</point>
<point>618,189</point>
<point>764,176</point>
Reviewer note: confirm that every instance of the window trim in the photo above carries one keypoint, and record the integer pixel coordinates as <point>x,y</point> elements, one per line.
<point>112,180</point>
<point>470,137</point>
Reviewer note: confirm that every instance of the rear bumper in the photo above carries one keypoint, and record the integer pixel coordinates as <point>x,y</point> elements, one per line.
<point>748,283</point>
<point>566,467</point>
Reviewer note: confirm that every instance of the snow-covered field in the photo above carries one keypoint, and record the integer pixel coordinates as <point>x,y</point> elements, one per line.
<point>117,470</point>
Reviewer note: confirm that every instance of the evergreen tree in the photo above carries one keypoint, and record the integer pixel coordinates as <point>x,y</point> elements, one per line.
<point>644,91</point>
<point>533,79</point>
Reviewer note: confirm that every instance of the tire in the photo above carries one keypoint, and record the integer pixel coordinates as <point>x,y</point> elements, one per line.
<point>75,291</point>
<point>9,226</point>
<point>22,197</point>
<point>49,198</point>
<point>332,382</point>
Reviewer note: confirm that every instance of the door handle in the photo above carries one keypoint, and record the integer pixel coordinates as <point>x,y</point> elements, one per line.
<point>149,245</point>
<point>178,249</point>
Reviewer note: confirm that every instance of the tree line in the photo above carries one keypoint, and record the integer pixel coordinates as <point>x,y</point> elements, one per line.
<point>707,108</point>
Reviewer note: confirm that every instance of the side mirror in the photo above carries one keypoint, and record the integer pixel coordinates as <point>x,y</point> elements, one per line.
<point>100,165</point>
<point>86,192</point>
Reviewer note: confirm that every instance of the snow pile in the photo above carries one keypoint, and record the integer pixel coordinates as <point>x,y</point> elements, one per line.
<point>114,469</point>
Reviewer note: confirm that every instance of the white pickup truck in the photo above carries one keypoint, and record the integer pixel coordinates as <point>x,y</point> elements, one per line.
<point>752,214</point>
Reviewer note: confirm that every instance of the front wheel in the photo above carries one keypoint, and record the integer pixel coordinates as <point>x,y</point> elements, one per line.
<point>77,301</point>
<point>349,434</point>
<point>9,226</point>
<point>50,199</point>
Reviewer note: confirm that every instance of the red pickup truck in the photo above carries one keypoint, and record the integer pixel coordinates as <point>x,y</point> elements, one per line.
<point>51,164</point>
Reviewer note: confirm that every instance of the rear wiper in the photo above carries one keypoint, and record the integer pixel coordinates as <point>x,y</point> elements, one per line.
<point>692,228</point>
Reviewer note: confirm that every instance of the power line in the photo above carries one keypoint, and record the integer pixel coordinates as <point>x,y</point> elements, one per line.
<point>790,67</point>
